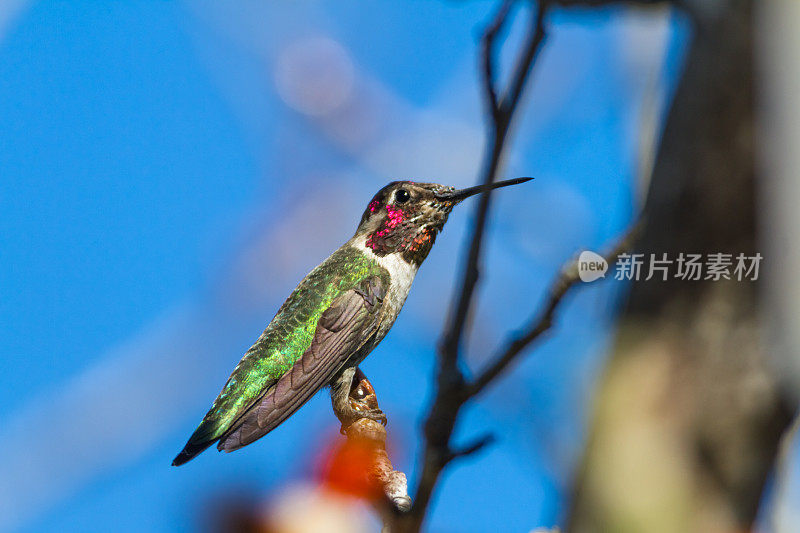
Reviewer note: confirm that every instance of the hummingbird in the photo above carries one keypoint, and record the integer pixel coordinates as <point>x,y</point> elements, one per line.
<point>334,318</point>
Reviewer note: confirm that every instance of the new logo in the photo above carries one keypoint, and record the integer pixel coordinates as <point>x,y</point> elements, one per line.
<point>591,266</point>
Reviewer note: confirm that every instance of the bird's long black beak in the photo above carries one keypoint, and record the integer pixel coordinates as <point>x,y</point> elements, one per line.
<point>460,194</point>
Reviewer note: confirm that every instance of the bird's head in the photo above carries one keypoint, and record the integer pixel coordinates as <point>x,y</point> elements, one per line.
<point>404,217</point>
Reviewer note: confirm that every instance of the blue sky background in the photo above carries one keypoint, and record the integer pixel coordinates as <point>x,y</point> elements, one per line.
<point>168,173</point>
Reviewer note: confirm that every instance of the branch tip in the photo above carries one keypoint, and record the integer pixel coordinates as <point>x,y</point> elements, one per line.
<point>472,448</point>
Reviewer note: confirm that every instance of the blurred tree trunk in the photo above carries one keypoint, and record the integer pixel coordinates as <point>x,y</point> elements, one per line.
<point>688,415</point>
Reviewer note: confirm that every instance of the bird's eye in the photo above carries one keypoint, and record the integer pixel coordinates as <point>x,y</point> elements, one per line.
<point>401,196</point>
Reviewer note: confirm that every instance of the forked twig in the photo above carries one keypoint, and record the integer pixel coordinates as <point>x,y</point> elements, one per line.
<point>543,321</point>
<point>452,388</point>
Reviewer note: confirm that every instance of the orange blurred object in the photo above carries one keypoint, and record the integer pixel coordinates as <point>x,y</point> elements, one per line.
<point>348,469</point>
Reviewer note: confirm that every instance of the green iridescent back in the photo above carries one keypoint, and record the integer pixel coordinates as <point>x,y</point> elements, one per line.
<point>287,337</point>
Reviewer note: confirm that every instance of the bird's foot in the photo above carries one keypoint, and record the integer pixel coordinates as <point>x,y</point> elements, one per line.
<point>375,414</point>
<point>359,402</point>
<point>356,414</point>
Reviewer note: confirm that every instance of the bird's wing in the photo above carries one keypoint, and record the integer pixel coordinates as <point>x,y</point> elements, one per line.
<point>343,328</point>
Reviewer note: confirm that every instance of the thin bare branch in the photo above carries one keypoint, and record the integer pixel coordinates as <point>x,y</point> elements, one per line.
<point>454,332</point>
<point>469,449</point>
<point>451,392</point>
<point>543,321</point>
<point>536,35</point>
<point>488,57</point>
